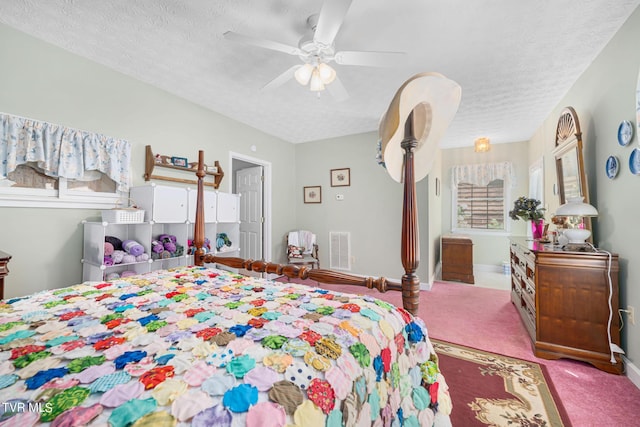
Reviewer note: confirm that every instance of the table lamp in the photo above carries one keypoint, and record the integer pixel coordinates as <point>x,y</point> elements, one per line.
<point>576,207</point>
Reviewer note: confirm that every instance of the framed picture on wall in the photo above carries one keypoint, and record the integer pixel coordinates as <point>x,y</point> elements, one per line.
<point>340,177</point>
<point>313,194</point>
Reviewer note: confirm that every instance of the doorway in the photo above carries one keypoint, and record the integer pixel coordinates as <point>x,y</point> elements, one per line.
<point>251,178</point>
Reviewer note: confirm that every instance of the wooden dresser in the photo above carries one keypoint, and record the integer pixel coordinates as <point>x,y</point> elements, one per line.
<point>457,258</point>
<point>4,270</point>
<point>563,300</point>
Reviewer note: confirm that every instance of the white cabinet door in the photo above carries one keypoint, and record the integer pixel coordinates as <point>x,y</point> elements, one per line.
<point>228,207</point>
<point>209,205</point>
<point>161,203</point>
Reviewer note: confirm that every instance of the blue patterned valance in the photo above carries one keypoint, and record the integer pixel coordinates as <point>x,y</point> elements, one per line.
<point>483,174</point>
<point>59,151</point>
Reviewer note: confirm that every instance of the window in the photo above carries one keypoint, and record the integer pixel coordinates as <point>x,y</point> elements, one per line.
<point>481,206</point>
<point>28,186</point>
<point>480,197</point>
<point>48,165</point>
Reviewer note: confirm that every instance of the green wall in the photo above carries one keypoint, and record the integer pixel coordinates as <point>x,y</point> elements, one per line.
<point>43,82</point>
<point>602,97</point>
<point>371,210</point>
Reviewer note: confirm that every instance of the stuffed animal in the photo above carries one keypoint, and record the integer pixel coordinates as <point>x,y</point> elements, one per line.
<point>132,247</point>
<point>117,243</point>
<point>107,260</point>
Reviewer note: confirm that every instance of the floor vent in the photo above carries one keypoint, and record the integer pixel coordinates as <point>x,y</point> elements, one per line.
<point>339,250</point>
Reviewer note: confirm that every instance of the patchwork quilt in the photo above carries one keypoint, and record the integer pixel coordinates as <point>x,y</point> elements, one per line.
<point>206,347</point>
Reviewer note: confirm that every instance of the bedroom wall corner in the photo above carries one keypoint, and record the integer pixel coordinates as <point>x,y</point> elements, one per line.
<point>432,218</point>
<point>371,208</point>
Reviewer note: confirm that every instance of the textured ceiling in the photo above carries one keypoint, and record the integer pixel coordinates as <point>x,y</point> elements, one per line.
<point>514,59</point>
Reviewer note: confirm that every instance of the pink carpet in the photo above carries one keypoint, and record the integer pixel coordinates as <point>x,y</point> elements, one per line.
<point>485,319</point>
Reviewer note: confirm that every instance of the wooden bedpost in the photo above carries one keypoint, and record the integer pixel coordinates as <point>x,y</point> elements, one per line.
<point>410,248</point>
<point>198,231</point>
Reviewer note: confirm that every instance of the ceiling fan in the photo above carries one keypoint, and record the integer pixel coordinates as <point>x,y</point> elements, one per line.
<point>316,50</point>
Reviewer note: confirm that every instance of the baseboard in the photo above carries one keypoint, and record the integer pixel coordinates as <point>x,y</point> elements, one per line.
<point>481,268</point>
<point>488,268</point>
<point>633,373</point>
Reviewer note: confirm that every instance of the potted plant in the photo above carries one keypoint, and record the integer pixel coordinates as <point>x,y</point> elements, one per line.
<point>528,209</point>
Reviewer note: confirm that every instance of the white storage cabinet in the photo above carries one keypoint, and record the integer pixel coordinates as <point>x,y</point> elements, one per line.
<point>93,267</point>
<point>161,203</point>
<point>168,210</point>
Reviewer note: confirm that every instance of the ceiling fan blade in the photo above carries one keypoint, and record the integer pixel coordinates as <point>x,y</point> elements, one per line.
<point>281,79</point>
<point>370,59</point>
<point>337,90</point>
<point>267,44</point>
<point>330,20</point>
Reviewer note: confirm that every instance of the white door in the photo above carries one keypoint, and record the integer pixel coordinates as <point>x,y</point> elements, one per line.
<point>249,186</point>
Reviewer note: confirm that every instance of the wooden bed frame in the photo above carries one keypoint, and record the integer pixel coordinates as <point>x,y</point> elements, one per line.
<point>410,254</point>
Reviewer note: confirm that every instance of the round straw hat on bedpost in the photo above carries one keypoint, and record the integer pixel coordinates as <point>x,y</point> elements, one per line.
<point>434,100</point>
<point>418,116</point>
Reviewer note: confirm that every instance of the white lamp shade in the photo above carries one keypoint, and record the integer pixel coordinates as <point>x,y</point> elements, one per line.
<point>316,84</point>
<point>327,74</point>
<point>303,74</point>
<point>576,207</point>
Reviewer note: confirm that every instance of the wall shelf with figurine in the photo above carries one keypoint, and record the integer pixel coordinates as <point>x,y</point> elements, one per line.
<point>179,163</point>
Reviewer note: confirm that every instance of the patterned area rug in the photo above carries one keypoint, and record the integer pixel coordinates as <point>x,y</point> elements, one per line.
<point>489,389</point>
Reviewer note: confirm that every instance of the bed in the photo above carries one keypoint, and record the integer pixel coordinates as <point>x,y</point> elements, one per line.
<point>203,346</point>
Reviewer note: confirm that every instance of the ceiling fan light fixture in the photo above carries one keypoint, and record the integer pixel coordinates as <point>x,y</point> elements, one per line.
<point>303,74</point>
<point>316,84</point>
<point>327,73</point>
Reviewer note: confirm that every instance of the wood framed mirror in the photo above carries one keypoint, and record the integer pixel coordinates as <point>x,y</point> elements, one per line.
<point>572,181</point>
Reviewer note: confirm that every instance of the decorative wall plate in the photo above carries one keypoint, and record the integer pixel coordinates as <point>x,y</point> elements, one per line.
<point>625,133</point>
<point>634,161</point>
<point>613,167</point>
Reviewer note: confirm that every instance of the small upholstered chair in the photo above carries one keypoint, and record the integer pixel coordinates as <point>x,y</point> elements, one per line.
<point>302,248</point>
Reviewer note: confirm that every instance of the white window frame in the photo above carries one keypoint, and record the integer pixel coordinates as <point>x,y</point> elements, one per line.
<point>21,197</point>
<point>482,231</point>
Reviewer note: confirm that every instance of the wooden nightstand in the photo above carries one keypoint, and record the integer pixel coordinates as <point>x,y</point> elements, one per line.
<point>4,270</point>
